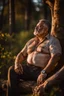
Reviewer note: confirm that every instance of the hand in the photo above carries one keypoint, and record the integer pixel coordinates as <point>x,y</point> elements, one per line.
<point>18,69</point>
<point>41,78</point>
<point>40,90</point>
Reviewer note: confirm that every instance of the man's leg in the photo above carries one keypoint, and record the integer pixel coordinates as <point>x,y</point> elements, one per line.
<point>29,73</point>
<point>13,81</point>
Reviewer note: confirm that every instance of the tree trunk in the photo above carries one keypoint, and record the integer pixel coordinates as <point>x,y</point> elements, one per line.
<point>28,14</point>
<point>11,16</point>
<point>25,87</point>
<point>46,12</point>
<point>57,14</point>
<point>1,15</point>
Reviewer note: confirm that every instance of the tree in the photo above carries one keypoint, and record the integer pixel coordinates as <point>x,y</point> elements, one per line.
<point>2,5</point>
<point>11,4</point>
<point>25,9</point>
<point>45,10</point>
<point>28,11</point>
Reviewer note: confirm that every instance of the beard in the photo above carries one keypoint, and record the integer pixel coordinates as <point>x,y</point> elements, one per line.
<point>40,34</point>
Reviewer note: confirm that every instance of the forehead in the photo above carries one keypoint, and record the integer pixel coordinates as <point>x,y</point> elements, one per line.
<point>40,23</point>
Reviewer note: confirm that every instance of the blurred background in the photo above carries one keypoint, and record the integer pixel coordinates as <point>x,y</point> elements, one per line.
<point>18,19</point>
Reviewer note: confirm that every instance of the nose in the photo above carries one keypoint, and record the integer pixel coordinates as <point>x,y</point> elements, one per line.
<point>36,28</point>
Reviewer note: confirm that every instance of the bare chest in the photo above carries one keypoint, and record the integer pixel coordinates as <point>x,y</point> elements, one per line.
<point>42,47</point>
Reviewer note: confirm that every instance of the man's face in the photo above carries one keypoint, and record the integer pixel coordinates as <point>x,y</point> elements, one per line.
<point>41,29</point>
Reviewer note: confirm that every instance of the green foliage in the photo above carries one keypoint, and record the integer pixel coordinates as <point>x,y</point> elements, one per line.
<point>5,52</point>
<point>55,91</point>
<point>20,40</point>
<point>10,45</point>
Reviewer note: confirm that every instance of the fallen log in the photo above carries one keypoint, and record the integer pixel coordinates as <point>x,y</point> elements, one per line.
<point>26,87</point>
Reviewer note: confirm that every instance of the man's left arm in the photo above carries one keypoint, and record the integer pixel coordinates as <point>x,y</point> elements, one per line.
<point>51,64</point>
<point>49,67</point>
<point>55,52</point>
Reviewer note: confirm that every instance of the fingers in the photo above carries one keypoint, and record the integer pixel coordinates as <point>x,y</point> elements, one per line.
<point>19,70</point>
<point>35,91</point>
<point>38,91</point>
<point>40,79</point>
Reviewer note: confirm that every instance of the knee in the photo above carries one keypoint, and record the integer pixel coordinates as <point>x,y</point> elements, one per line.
<point>11,68</point>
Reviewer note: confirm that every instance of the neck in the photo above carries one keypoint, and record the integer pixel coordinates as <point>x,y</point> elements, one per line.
<point>41,39</point>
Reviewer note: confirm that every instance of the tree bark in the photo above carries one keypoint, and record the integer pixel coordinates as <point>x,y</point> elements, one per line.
<point>1,15</point>
<point>28,10</point>
<point>11,16</point>
<point>57,14</point>
<point>25,86</point>
<point>57,78</point>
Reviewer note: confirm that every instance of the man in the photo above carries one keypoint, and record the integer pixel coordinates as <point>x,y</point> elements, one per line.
<point>41,52</point>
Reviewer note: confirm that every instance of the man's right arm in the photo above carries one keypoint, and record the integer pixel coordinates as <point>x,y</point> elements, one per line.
<point>22,55</point>
<point>19,58</point>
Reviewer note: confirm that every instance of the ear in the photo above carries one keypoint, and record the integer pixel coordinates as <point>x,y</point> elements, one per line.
<point>46,28</point>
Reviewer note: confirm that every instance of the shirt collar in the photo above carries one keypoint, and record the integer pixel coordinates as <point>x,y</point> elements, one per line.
<point>48,36</point>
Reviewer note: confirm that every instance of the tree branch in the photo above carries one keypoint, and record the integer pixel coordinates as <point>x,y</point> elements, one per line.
<point>57,77</point>
<point>49,3</point>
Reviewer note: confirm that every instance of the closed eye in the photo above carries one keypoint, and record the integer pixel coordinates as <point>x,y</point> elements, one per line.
<point>38,28</point>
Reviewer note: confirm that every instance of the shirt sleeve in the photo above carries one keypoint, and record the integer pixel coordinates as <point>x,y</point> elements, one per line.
<point>54,46</point>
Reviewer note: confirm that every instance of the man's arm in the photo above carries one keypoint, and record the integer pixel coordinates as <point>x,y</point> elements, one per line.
<point>51,64</point>
<point>23,54</point>
<point>55,52</point>
<point>49,67</point>
<point>20,57</point>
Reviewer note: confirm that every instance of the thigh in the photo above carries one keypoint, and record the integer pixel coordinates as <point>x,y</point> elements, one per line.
<point>30,72</point>
<point>14,77</point>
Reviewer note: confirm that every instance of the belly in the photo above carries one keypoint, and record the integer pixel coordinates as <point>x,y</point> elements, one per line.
<point>38,59</point>
<point>29,58</point>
